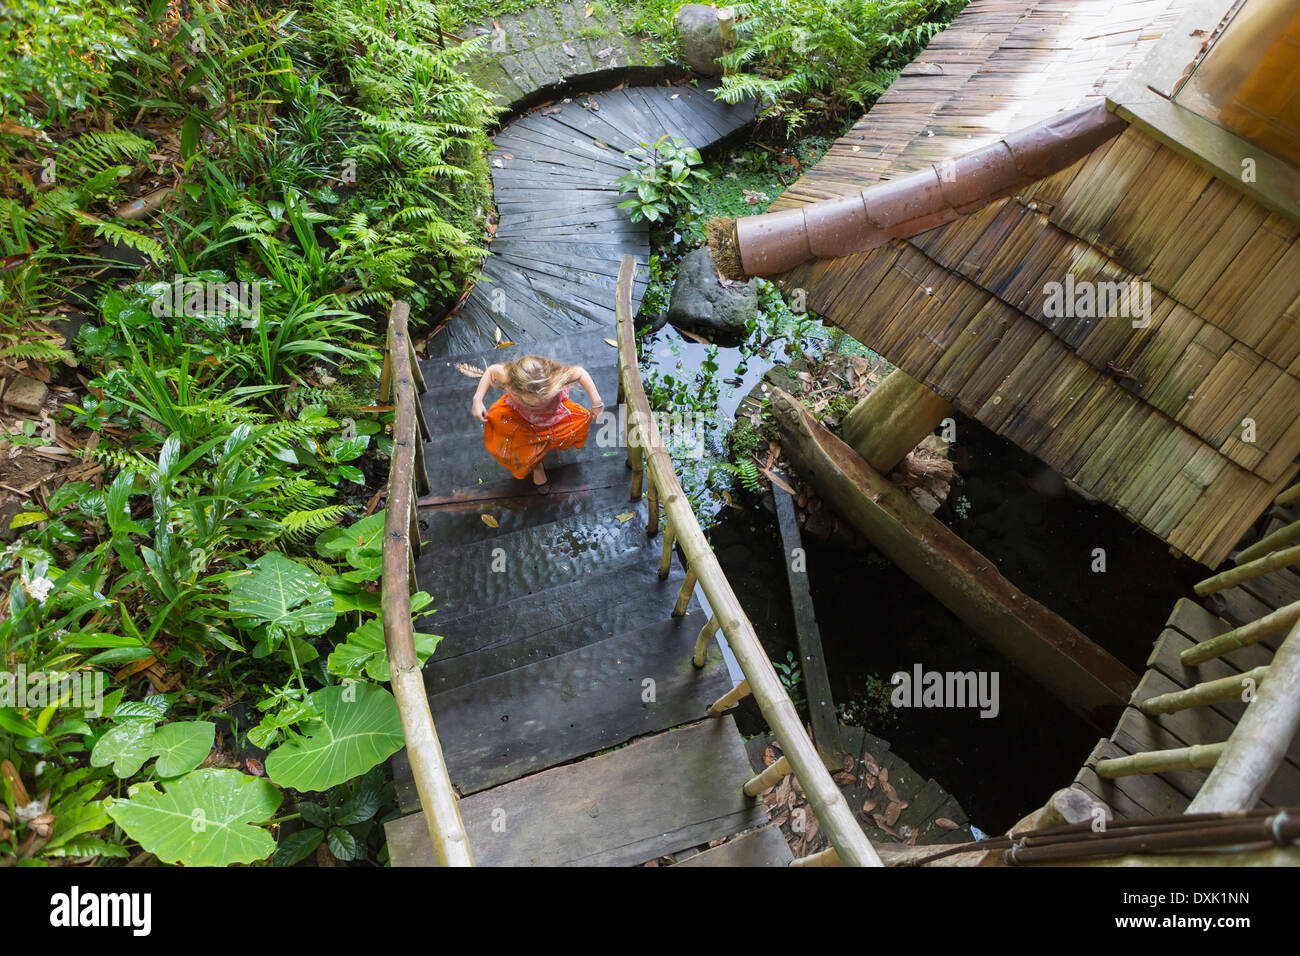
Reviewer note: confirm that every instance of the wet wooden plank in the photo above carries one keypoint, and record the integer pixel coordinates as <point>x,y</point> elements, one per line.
<point>657,796</point>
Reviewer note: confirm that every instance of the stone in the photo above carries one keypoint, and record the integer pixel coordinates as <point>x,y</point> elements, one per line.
<point>701,38</point>
<point>26,393</point>
<point>703,303</point>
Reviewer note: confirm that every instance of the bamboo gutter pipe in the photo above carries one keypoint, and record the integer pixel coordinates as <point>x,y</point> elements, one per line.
<point>772,243</point>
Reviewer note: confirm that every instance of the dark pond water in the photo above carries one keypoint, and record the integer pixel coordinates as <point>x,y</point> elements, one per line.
<point>875,621</point>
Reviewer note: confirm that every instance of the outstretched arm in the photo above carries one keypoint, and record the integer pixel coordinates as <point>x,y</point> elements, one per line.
<point>581,377</point>
<point>493,376</point>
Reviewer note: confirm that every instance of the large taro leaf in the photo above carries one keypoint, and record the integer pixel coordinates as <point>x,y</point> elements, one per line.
<point>126,746</point>
<point>290,597</point>
<point>202,819</point>
<point>358,728</point>
<point>364,650</point>
<point>182,745</point>
<point>361,545</point>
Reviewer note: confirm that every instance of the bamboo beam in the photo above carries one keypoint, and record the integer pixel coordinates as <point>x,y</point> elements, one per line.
<point>731,697</point>
<point>892,419</point>
<point>769,778</point>
<point>1260,740</point>
<point>1274,561</point>
<point>827,857</point>
<point>1275,622</point>
<point>428,767</point>
<point>1195,757</point>
<point>825,798</point>
<point>1279,539</point>
<point>1049,649</point>
<point>1206,692</point>
<point>702,642</point>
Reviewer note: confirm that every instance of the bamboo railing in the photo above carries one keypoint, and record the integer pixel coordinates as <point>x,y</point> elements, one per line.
<point>400,385</point>
<point>1241,766</point>
<point>652,467</point>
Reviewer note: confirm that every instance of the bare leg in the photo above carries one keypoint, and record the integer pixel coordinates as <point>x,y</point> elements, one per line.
<point>539,475</point>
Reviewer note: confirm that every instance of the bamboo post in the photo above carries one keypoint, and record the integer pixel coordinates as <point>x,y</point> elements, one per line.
<point>827,857</point>
<point>730,698</point>
<point>636,461</point>
<point>1279,539</point>
<point>1274,561</point>
<point>1260,740</point>
<point>1206,692</point>
<point>825,798</point>
<point>759,783</point>
<point>895,416</point>
<point>666,561</point>
<point>1195,757</point>
<point>652,508</point>
<point>1275,622</point>
<point>1290,495</point>
<point>702,642</point>
<point>684,595</point>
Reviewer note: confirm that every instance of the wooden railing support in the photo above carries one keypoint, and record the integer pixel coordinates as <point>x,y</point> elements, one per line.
<point>730,698</point>
<point>769,778</point>
<point>709,629</point>
<point>684,595</point>
<point>824,797</point>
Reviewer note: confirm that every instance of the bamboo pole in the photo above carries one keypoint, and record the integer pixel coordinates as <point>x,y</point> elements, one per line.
<point>1195,757</point>
<point>769,778</point>
<point>636,460</point>
<point>827,857</point>
<point>1206,692</point>
<point>1260,740</point>
<point>702,642</point>
<point>684,595</point>
<point>666,560</point>
<point>825,798</point>
<point>1275,622</point>
<point>1279,539</point>
<point>652,509</point>
<point>1274,561</point>
<point>1288,496</point>
<point>428,767</point>
<point>737,693</point>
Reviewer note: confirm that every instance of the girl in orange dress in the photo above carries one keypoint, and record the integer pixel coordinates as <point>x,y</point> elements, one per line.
<point>534,416</point>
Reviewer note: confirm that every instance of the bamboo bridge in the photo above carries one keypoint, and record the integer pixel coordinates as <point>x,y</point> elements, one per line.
<point>580,693</point>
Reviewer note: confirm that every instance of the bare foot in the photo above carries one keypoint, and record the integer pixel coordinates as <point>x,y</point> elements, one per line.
<point>539,476</point>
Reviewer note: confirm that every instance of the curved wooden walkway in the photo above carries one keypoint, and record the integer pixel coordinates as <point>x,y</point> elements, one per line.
<point>558,636</point>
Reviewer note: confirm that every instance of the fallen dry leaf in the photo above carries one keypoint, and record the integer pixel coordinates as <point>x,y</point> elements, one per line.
<point>625,516</point>
<point>254,766</point>
<point>490,521</point>
<point>869,780</point>
<point>869,762</point>
<point>884,775</point>
<point>769,756</point>
<point>588,10</point>
<point>466,369</point>
<point>870,804</point>
<point>847,764</point>
<point>888,788</point>
<point>946,824</point>
<point>892,811</point>
<point>611,342</point>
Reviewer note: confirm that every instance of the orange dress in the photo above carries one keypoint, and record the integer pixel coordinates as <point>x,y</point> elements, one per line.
<point>518,435</point>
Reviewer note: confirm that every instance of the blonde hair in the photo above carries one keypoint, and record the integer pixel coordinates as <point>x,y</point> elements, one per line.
<point>536,379</point>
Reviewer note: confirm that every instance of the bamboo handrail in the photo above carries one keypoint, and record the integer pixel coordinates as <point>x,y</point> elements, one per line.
<point>1206,692</point>
<point>1195,757</point>
<point>1275,622</point>
<point>825,798</point>
<point>1260,740</point>
<point>401,541</point>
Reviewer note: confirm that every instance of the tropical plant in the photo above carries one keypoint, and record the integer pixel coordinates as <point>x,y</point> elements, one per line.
<point>664,184</point>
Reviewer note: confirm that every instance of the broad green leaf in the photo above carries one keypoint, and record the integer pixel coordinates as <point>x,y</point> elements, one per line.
<point>126,746</point>
<point>202,819</point>
<point>361,545</point>
<point>358,808</point>
<point>358,728</point>
<point>296,847</point>
<point>342,844</point>
<point>183,745</point>
<point>288,596</point>
<point>365,650</point>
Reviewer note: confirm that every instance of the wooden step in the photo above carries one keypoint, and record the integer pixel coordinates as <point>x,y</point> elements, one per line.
<point>762,847</point>
<point>488,573</point>
<point>564,707</point>
<point>461,463</point>
<point>656,796</point>
<point>559,620</point>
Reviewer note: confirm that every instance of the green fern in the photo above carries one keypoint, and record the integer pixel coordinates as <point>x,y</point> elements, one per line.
<point>299,524</point>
